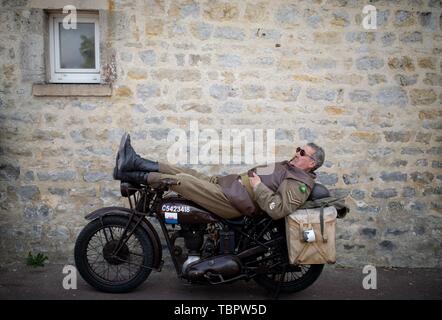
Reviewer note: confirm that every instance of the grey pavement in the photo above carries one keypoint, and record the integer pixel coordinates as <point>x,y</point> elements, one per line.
<point>24,282</point>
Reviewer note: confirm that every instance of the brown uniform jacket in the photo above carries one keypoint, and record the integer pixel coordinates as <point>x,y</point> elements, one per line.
<point>282,190</point>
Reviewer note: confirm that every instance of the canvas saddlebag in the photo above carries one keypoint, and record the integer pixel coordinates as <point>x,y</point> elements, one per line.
<point>311,235</point>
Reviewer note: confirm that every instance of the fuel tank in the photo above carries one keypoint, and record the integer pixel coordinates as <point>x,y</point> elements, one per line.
<point>176,209</point>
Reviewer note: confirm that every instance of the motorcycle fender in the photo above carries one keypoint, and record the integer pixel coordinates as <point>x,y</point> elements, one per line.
<point>145,224</point>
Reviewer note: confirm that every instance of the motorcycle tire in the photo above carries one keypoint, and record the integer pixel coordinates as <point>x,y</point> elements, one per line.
<point>293,286</point>
<point>94,279</point>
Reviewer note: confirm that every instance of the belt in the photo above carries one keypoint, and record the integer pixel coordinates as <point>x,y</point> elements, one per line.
<point>246,183</point>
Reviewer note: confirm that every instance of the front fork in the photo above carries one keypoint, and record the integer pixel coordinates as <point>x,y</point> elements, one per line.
<point>123,239</point>
<point>138,217</point>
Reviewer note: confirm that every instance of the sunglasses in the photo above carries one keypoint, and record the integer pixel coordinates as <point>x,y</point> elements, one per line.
<point>303,153</point>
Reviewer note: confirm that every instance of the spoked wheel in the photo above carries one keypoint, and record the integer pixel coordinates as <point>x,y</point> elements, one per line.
<point>106,268</point>
<point>285,277</point>
<point>294,278</point>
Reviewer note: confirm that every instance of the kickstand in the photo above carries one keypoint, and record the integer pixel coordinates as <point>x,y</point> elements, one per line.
<point>278,288</point>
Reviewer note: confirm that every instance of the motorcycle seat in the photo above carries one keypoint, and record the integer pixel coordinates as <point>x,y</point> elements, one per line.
<point>319,191</point>
<point>127,189</point>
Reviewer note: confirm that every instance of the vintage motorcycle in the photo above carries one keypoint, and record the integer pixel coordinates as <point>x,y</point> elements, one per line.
<point>117,250</point>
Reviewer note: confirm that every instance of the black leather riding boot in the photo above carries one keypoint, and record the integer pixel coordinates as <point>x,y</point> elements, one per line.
<point>137,177</point>
<point>129,160</point>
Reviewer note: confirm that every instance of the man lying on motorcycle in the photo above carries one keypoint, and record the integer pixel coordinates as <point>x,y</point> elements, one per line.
<point>277,189</point>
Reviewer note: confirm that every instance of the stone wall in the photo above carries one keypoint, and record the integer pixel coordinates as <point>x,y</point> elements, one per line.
<point>307,69</point>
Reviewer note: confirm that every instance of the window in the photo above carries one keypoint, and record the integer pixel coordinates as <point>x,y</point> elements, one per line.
<point>74,53</point>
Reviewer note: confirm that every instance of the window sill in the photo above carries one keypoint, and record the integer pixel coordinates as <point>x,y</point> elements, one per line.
<point>69,90</point>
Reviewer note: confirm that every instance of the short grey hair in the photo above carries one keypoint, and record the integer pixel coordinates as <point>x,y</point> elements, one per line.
<point>318,156</point>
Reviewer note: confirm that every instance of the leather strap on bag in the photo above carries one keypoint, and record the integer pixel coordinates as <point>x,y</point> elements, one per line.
<point>321,222</point>
<point>301,232</point>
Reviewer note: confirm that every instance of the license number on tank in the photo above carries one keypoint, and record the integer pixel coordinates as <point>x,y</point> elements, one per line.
<point>175,208</point>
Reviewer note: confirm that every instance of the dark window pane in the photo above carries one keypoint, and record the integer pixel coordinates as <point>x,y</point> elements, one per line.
<point>77,46</point>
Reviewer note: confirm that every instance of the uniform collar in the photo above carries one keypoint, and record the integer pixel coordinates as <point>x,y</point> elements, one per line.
<point>309,173</point>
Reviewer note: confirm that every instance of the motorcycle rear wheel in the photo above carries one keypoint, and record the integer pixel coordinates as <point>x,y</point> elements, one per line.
<point>96,264</point>
<point>296,278</point>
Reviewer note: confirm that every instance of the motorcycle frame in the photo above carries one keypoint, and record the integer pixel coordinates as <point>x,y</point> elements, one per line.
<point>151,209</point>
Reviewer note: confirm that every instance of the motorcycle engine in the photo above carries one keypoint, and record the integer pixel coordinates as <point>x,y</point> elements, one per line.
<point>210,260</point>
<point>193,239</point>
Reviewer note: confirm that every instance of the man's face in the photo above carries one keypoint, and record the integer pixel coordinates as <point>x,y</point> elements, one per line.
<point>306,161</point>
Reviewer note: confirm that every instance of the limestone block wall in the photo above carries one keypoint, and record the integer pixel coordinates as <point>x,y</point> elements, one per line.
<point>307,69</point>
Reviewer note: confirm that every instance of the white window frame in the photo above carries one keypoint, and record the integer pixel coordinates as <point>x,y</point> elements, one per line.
<point>66,75</point>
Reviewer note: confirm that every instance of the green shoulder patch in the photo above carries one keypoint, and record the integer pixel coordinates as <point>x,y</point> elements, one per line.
<point>303,188</point>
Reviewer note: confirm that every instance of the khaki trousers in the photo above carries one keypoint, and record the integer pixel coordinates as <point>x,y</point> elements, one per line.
<point>200,189</point>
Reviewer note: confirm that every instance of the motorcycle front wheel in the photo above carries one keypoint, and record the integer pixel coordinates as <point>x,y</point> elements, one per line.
<point>101,268</point>
<point>294,278</point>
